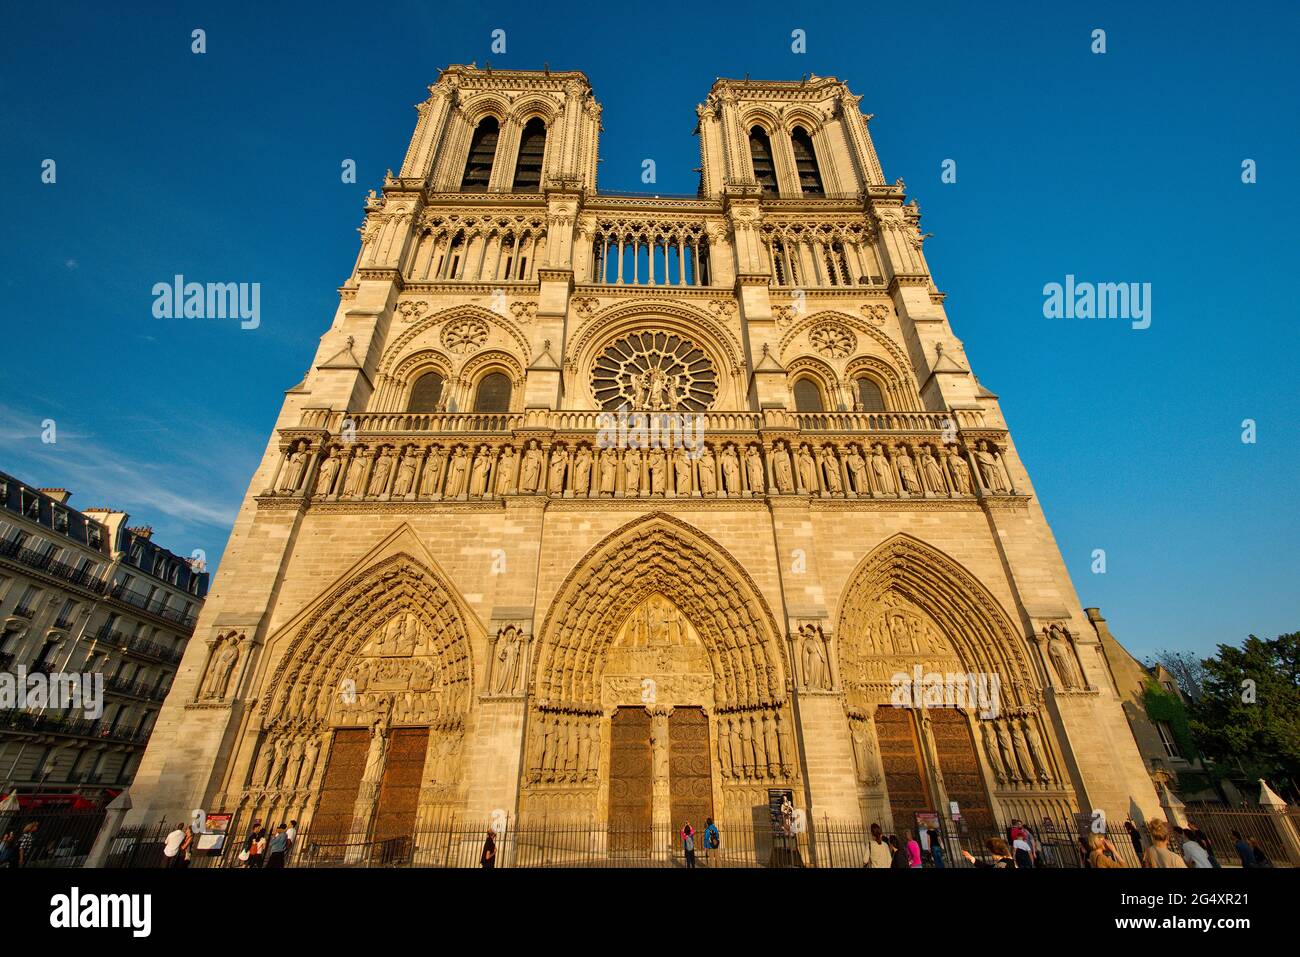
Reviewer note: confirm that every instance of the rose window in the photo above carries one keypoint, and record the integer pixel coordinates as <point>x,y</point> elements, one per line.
<point>655,372</point>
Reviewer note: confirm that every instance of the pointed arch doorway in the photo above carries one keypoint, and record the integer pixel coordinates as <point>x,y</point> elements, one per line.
<point>659,688</point>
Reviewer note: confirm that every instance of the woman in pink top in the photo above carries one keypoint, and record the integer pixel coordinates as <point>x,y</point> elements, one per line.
<point>913,852</point>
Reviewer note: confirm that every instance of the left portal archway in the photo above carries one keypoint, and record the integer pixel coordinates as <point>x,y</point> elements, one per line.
<point>361,724</point>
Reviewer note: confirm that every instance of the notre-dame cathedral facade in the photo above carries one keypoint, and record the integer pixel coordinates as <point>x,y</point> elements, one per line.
<point>626,509</point>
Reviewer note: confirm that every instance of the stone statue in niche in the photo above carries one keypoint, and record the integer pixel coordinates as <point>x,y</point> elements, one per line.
<point>781,468</point>
<point>295,465</point>
<point>608,471</point>
<point>907,471</point>
<point>931,471</point>
<point>530,472</point>
<point>730,470</point>
<point>754,470</point>
<point>328,470</point>
<point>959,470</point>
<point>681,472</point>
<point>632,472</point>
<point>478,479</point>
<point>816,672</point>
<point>225,655</point>
<point>456,472</point>
<point>831,471</point>
<point>807,470</point>
<point>882,471</point>
<point>657,466</point>
<point>509,652</point>
<point>582,471</point>
<point>356,475</point>
<point>405,482</point>
<point>708,471</point>
<point>559,465</point>
<point>992,472</point>
<point>505,471</point>
<point>432,480</point>
<point>1063,658</point>
<point>375,756</point>
<point>383,466</point>
<point>857,470</point>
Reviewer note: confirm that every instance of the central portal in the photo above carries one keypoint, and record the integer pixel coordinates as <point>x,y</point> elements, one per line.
<point>660,773</point>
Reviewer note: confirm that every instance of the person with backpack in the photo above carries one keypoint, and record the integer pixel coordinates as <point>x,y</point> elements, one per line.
<point>879,854</point>
<point>688,843</point>
<point>712,838</point>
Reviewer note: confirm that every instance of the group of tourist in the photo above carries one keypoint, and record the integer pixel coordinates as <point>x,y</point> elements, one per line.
<point>259,850</point>
<point>1022,849</point>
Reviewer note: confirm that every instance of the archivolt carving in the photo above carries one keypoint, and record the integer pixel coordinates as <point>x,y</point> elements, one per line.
<point>659,554</point>
<point>395,352</point>
<point>900,362</point>
<point>695,324</point>
<point>391,643</point>
<point>907,575</point>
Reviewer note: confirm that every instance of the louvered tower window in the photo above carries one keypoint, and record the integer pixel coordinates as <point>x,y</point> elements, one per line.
<point>532,147</point>
<point>869,397</point>
<point>482,150</point>
<point>493,393</point>
<point>807,397</point>
<point>760,151</point>
<point>805,163</point>
<point>426,393</point>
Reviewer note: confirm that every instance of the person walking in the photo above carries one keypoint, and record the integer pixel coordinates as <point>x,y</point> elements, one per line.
<point>256,848</point>
<point>1194,852</point>
<point>1245,853</point>
<point>172,846</point>
<point>879,854</point>
<point>1135,836</point>
<point>1203,839</point>
<point>7,851</point>
<point>898,853</point>
<point>936,847</point>
<point>1158,854</point>
<point>27,843</point>
<point>913,851</point>
<point>688,843</point>
<point>278,846</point>
<point>1101,853</point>
<point>1002,859</point>
<point>489,856</point>
<point>1261,859</point>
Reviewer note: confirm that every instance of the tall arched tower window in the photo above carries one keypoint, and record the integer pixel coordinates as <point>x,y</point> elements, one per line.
<point>426,393</point>
<point>807,397</point>
<point>805,162</point>
<point>493,393</point>
<point>482,151</point>
<point>870,398</point>
<point>532,147</point>
<point>760,153</point>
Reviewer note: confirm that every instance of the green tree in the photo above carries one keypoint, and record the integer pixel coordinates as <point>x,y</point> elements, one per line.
<point>1247,719</point>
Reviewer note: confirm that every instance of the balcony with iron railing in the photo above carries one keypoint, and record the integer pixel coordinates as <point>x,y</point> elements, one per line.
<point>43,562</point>
<point>59,724</point>
<point>139,646</point>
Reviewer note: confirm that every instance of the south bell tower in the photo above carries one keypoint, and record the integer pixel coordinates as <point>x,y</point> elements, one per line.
<point>446,593</point>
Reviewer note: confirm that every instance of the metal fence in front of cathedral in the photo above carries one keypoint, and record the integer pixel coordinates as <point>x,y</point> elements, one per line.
<point>821,844</point>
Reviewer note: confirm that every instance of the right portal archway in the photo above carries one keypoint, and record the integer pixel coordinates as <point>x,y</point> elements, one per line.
<point>943,705</point>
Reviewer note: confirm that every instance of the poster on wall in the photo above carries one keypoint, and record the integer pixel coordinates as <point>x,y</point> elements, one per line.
<point>926,821</point>
<point>215,828</point>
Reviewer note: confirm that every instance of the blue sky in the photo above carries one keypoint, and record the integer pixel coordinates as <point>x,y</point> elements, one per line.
<point>1122,167</point>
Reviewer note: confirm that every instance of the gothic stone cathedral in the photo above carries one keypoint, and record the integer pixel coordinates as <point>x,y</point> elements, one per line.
<point>616,509</point>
